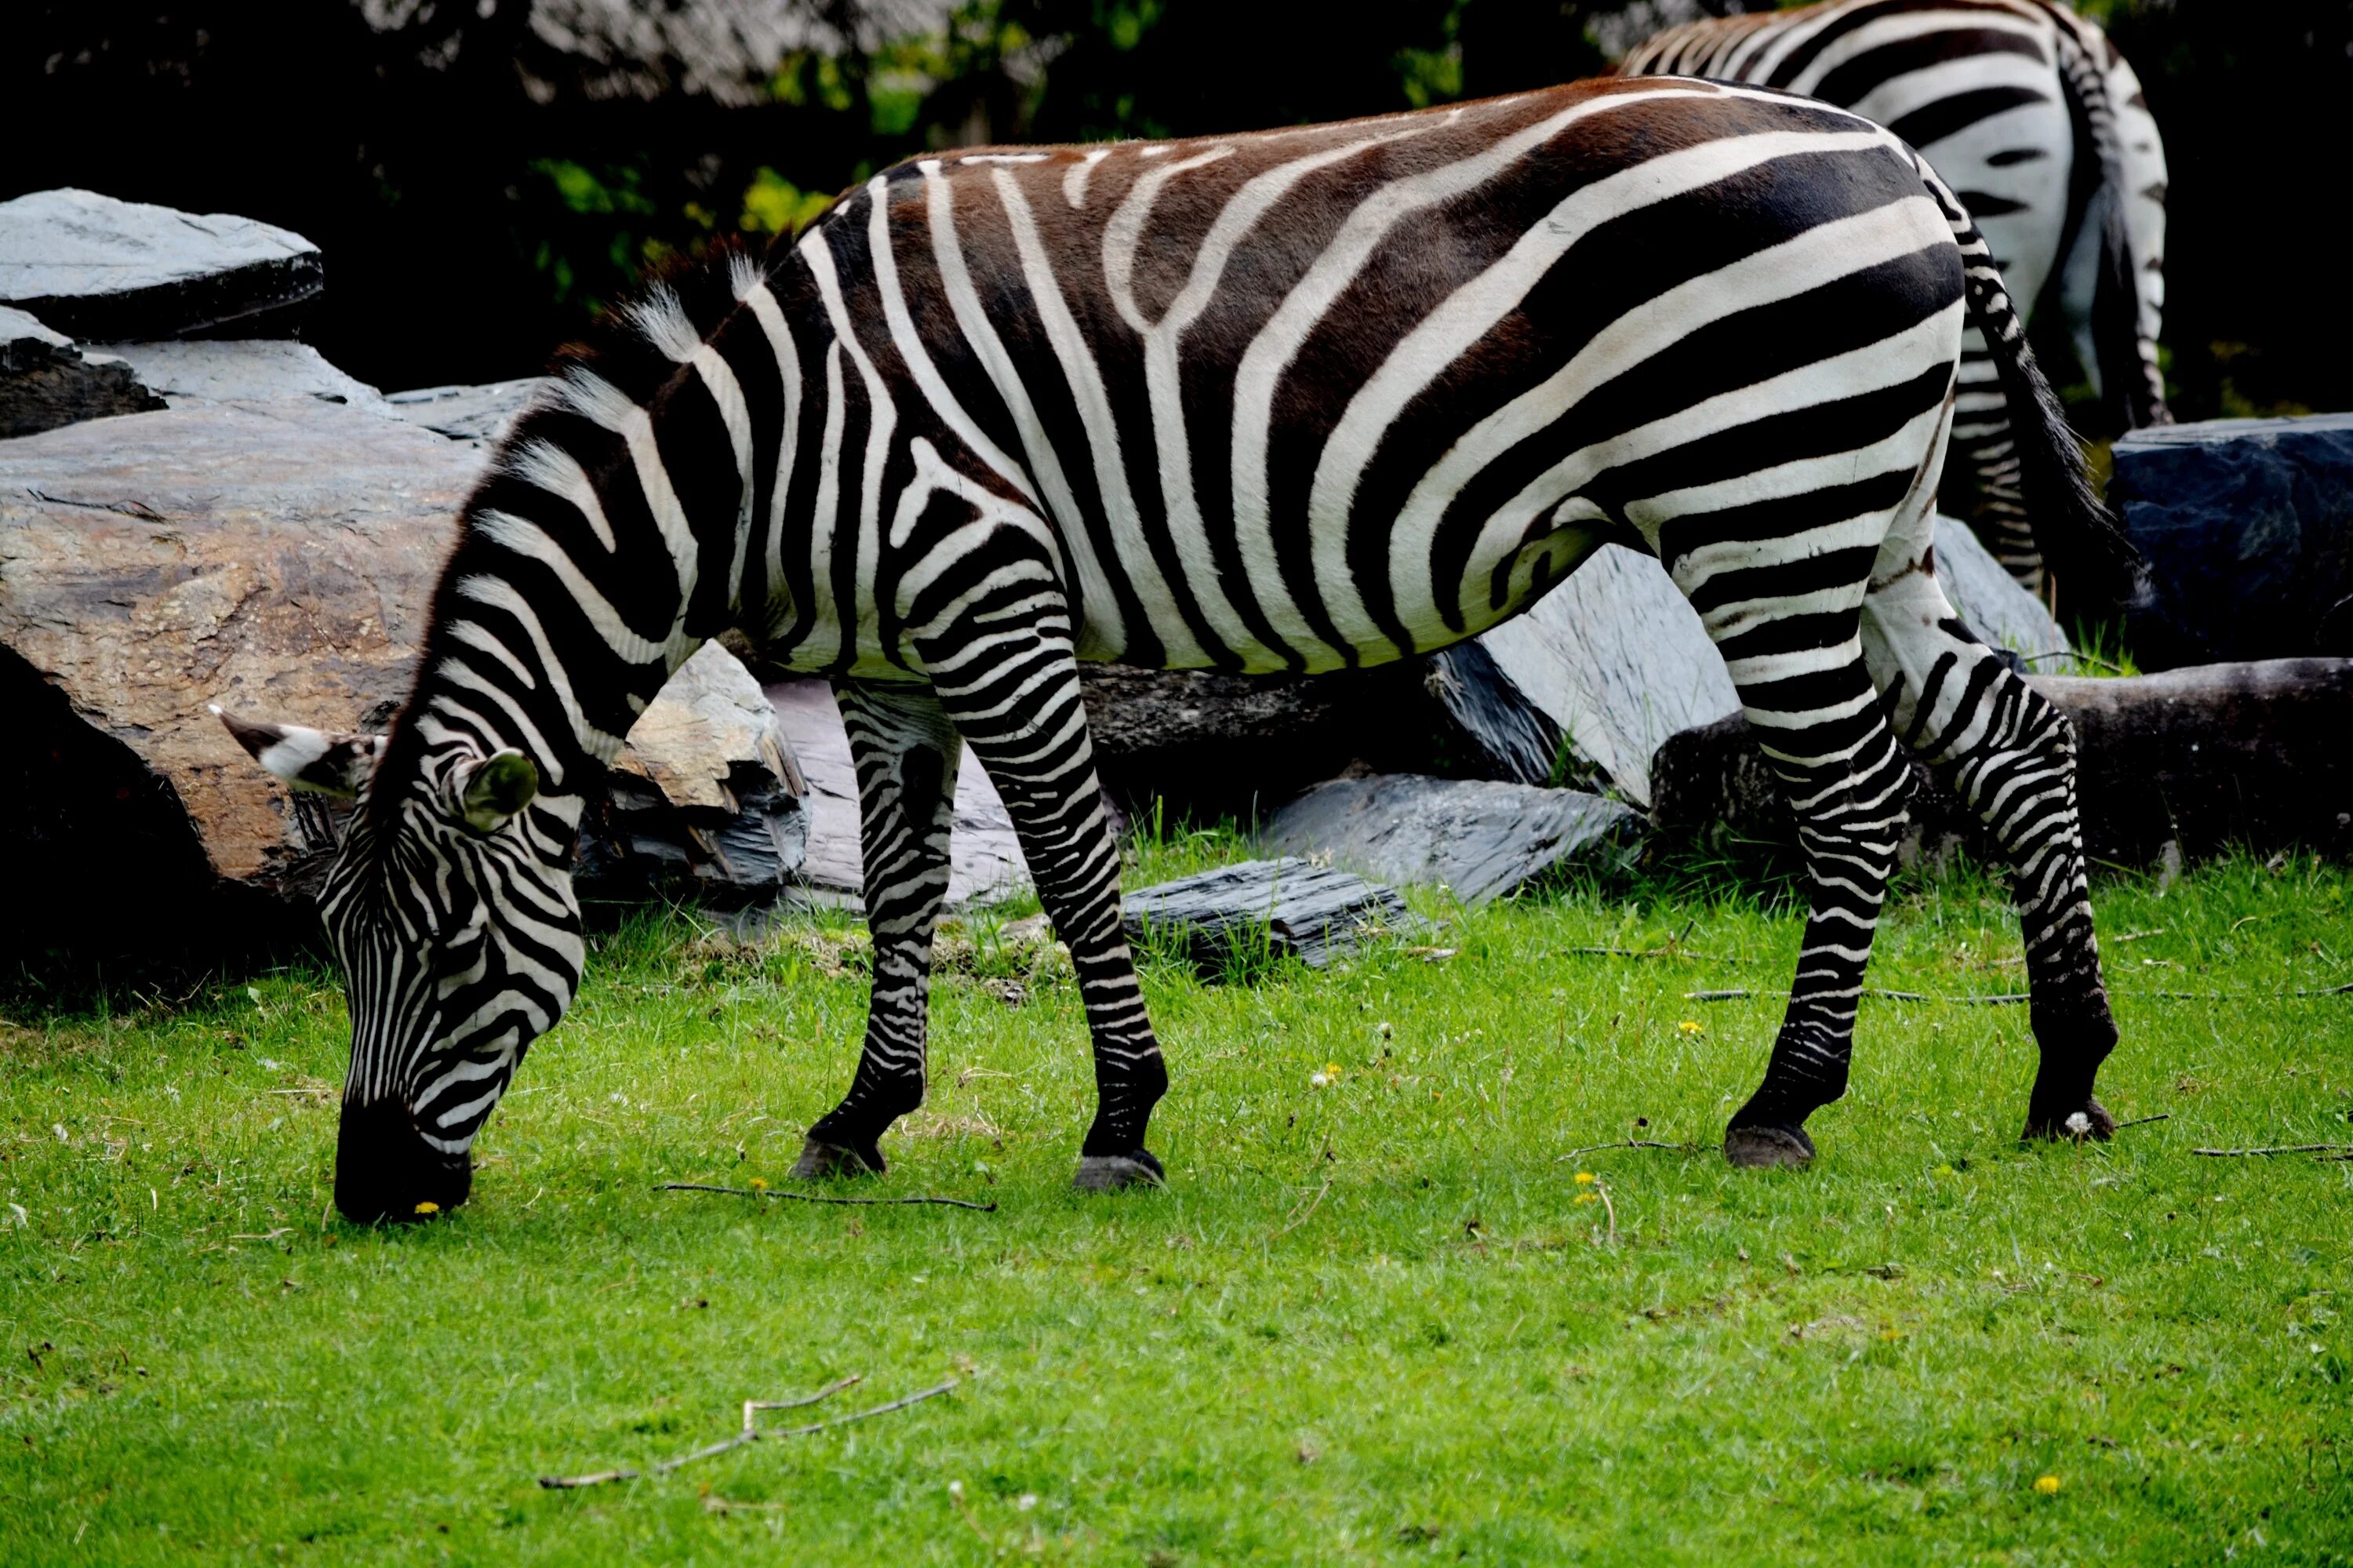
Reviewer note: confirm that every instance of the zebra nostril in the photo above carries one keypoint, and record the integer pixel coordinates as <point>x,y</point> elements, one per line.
<point>384,1170</point>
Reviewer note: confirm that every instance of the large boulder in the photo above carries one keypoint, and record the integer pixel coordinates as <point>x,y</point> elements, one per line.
<point>479,415</point>
<point>116,271</point>
<point>277,555</point>
<point>1476,838</point>
<point>2247,527</point>
<point>46,380</point>
<point>244,370</point>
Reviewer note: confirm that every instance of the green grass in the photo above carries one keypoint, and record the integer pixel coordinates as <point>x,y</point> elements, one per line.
<point>1366,1322</point>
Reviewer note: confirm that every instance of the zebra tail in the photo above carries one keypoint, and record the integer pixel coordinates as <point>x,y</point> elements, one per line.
<point>2134,397</point>
<point>2095,564</point>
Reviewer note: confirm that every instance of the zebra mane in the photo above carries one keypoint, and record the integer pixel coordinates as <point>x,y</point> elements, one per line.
<point>633,348</point>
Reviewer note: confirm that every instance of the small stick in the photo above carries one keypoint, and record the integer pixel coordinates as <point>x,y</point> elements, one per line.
<point>1608,1208</point>
<point>1627,1143</point>
<point>2278,1148</point>
<point>817,1197</point>
<point>751,1434</point>
<point>1313,1204</point>
<point>2145,1120</point>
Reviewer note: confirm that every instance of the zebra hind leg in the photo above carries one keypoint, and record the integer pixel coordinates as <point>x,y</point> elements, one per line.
<point>906,753</point>
<point>1849,787</point>
<point>2004,749</point>
<point>1015,699</point>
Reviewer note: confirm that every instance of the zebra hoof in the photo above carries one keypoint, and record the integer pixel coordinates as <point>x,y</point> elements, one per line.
<point>1761,1146</point>
<point>1109,1172</point>
<point>2089,1122</point>
<point>820,1161</point>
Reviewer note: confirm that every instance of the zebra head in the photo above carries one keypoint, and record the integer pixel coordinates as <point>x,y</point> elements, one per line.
<point>460,944</point>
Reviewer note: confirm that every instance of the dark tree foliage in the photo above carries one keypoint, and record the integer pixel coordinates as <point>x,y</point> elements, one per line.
<point>479,192</point>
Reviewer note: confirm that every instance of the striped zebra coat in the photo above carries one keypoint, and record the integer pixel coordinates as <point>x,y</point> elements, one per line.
<point>2039,126</point>
<point>1296,400</point>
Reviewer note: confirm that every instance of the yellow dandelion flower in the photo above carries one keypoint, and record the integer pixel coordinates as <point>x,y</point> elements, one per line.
<point>1691,1026</point>
<point>2047,1484</point>
<point>1585,1178</point>
<point>429,1208</point>
<point>758,1185</point>
<point>1585,1197</point>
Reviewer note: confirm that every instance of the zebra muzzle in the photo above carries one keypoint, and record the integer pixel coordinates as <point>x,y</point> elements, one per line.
<point>384,1171</point>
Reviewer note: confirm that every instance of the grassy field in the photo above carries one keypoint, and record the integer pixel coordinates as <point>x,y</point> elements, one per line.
<point>1380,1314</point>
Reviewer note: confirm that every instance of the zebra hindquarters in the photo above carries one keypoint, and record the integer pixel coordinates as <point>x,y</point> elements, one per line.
<point>906,754</point>
<point>2006,751</point>
<point>993,629</point>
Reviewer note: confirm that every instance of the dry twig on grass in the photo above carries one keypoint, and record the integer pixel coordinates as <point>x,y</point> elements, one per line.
<point>1632,1143</point>
<point>1309,1213</point>
<point>817,1197</point>
<point>2144,1120</point>
<point>752,1433</point>
<point>2326,1150</point>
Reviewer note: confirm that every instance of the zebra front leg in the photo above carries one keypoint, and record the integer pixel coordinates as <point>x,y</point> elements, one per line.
<point>906,754</point>
<point>1014,696</point>
<point>2003,749</point>
<point>1849,786</point>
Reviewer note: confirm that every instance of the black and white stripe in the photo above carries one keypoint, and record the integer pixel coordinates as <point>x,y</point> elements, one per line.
<point>1293,400</point>
<point>2037,122</point>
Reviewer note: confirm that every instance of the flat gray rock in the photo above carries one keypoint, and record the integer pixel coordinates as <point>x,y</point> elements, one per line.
<point>116,271</point>
<point>1478,838</point>
<point>232,370</point>
<point>478,414</point>
<point>1314,912</point>
<point>985,863</point>
<point>47,381</point>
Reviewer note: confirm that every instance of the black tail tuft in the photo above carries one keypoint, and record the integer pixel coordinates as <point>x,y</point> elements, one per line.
<point>2098,571</point>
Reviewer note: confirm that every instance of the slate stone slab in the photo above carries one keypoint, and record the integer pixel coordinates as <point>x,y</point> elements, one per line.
<point>2203,757</point>
<point>1314,911</point>
<point>245,370</point>
<point>115,272</point>
<point>984,861</point>
<point>2247,527</point>
<point>48,381</point>
<point>1615,660</point>
<point>1478,838</point>
<point>480,415</point>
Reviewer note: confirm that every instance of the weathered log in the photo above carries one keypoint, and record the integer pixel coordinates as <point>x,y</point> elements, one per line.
<point>2204,758</point>
<point>116,272</point>
<point>2247,527</point>
<point>1293,905</point>
<point>1477,838</point>
<point>46,380</point>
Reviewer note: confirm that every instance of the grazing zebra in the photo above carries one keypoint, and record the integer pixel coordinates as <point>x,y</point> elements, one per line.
<point>2039,125</point>
<point>1295,400</point>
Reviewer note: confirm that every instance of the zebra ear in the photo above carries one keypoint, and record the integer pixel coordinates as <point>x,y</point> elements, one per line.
<point>493,791</point>
<point>307,758</point>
